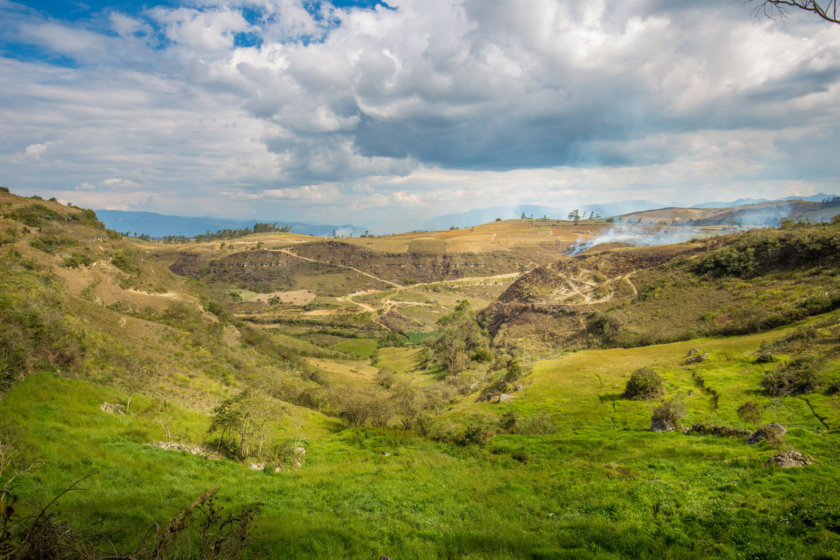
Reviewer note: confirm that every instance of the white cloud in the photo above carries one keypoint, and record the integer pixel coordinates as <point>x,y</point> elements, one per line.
<point>120,183</point>
<point>209,30</point>
<point>432,107</point>
<point>38,151</point>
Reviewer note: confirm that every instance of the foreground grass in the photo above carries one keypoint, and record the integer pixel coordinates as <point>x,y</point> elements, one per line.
<point>587,493</point>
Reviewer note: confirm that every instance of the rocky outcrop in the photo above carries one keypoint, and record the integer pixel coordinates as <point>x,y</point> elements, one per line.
<point>770,432</point>
<point>789,459</point>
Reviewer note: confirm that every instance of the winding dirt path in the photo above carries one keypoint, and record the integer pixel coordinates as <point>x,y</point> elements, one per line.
<point>626,278</point>
<point>388,304</point>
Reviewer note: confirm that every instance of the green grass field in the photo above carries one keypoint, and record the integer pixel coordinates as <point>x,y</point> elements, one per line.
<point>597,485</point>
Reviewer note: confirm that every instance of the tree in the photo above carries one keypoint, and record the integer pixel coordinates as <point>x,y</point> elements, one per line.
<point>574,215</point>
<point>241,421</point>
<point>461,341</point>
<point>825,9</point>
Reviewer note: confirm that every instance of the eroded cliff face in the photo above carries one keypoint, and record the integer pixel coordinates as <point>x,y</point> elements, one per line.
<point>277,268</point>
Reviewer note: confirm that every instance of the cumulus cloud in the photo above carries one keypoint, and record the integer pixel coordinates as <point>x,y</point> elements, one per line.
<point>38,151</point>
<point>277,109</point>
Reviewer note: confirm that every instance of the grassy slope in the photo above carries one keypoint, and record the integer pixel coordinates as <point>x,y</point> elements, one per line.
<point>601,486</point>
<point>597,485</point>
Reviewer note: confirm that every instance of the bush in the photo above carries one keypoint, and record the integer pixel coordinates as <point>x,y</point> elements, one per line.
<point>509,422</point>
<point>76,260</point>
<point>749,413</point>
<point>483,355</point>
<point>668,415</point>
<point>49,243</point>
<point>644,384</point>
<point>764,250</point>
<point>32,215</point>
<point>126,261</point>
<point>476,435</point>
<point>794,378</point>
<point>386,377</point>
<point>393,339</point>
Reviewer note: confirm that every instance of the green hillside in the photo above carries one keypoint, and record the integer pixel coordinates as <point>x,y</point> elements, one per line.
<point>129,392</point>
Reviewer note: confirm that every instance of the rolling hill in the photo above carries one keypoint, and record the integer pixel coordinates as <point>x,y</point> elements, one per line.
<point>368,401</point>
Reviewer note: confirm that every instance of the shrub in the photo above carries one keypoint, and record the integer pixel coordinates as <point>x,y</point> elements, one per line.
<point>393,339</point>
<point>766,357</point>
<point>126,261</point>
<point>477,435</point>
<point>9,237</point>
<point>794,378</point>
<point>669,415</point>
<point>49,243</point>
<point>32,215</point>
<point>386,377</point>
<point>510,422</point>
<point>729,261</point>
<point>514,370</point>
<point>749,413</point>
<point>76,260</point>
<point>644,384</point>
<point>483,355</point>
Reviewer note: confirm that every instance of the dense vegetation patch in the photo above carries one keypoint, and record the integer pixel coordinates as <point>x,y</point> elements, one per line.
<point>760,251</point>
<point>644,384</point>
<point>35,333</point>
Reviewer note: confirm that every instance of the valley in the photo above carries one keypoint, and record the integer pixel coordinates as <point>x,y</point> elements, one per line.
<point>453,394</point>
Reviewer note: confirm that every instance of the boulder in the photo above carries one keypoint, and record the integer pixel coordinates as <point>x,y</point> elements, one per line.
<point>765,358</point>
<point>661,425</point>
<point>504,397</point>
<point>789,459</point>
<point>766,432</point>
<point>112,408</point>
<point>697,358</point>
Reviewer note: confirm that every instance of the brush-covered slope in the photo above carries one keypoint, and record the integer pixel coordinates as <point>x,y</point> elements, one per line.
<point>78,299</point>
<point>635,296</point>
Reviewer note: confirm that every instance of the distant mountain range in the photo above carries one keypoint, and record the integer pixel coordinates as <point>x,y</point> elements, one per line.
<point>484,215</point>
<point>744,201</point>
<point>160,225</point>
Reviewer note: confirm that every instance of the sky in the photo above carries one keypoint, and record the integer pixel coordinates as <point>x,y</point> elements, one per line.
<point>385,114</point>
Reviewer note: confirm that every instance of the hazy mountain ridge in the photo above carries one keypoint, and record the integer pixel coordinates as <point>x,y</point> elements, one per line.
<point>746,201</point>
<point>162,225</point>
<point>483,215</point>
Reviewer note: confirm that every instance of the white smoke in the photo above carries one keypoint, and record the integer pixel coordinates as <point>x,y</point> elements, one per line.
<point>637,236</point>
<point>770,216</point>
